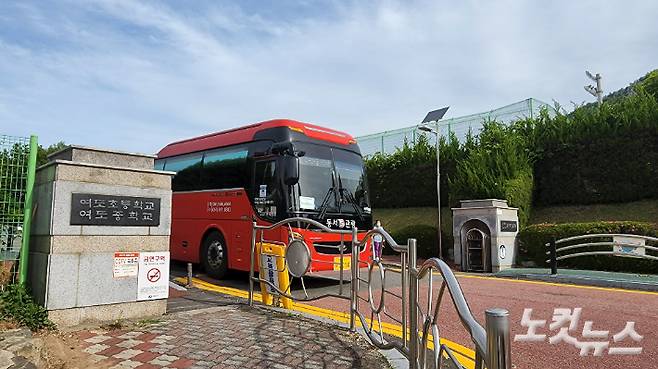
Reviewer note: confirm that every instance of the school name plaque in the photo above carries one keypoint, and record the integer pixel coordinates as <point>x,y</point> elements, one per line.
<point>111,210</point>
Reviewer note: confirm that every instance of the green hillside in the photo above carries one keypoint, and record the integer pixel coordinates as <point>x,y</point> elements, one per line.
<point>643,211</point>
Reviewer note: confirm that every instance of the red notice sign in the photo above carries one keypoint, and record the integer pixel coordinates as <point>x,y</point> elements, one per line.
<point>126,264</point>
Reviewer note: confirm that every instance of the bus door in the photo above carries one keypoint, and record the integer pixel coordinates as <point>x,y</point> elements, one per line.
<point>237,227</point>
<point>266,189</point>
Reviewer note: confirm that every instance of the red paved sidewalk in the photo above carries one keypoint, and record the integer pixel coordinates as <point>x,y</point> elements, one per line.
<point>230,337</point>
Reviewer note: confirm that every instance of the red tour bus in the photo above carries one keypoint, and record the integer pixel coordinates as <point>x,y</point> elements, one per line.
<point>267,171</point>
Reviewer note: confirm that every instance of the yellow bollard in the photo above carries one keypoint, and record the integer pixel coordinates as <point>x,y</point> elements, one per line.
<point>272,267</point>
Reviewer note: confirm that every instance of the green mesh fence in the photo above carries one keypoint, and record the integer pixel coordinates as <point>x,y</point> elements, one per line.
<point>14,170</point>
<point>387,142</point>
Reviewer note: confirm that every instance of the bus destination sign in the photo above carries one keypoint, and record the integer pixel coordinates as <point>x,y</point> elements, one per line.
<point>111,210</point>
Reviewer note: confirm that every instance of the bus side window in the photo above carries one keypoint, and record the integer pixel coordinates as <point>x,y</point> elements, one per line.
<point>225,168</point>
<point>159,164</point>
<point>265,188</point>
<point>188,171</point>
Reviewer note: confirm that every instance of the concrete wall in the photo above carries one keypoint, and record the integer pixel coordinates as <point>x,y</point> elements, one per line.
<point>90,155</point>
<point>71,265</point>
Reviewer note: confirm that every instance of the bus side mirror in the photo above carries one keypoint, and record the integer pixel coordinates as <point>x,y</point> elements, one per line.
<point>291,170</point>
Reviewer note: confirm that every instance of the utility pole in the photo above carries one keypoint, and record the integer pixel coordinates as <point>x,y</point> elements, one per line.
<point>595,91</point>
<point>435,116</point>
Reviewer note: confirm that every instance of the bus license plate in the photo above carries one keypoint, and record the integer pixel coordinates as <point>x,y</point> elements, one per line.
<point>347,262</point>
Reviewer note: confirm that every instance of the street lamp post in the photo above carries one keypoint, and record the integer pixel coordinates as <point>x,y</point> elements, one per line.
<point>435,116</point>
<point>438,182</point>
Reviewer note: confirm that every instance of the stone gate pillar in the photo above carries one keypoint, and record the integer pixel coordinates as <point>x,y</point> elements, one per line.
<point>100,236</point>
<point>499,226</point>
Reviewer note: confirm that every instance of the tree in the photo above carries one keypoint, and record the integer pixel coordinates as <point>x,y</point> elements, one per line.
<point>42,153</point>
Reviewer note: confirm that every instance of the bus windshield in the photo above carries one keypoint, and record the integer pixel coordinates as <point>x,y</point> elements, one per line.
<point>331,180</point>
<point>351,181</point>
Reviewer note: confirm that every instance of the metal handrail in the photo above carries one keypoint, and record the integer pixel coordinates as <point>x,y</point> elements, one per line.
<point>379,343</point>
<point>592,253</point>
<point>387,237</point>
<point>403,249</point>
<point>491,343</point>
<point>286,294</point>
<point>585,236</point>
<point>607,243</point>
<point>475,329</point>
<point>554,250</point>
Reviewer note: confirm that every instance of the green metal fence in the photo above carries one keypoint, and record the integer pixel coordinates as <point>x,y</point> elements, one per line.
<point>388,141</point>
<point>17,167</point>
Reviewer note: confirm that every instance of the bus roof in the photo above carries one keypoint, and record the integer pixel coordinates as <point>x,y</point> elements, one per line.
<point>246,134</point>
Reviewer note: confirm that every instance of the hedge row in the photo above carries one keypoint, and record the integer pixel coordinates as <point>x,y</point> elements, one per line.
<point>597,155</point>
<point>533,240</point>
<point>427,245</point>
<point>407,178</point>
<point>591,155</point>
<point>495,164</point>
<point>622,168</point>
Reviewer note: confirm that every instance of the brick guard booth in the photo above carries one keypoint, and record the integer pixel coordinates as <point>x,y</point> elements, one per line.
<point>100,236</point>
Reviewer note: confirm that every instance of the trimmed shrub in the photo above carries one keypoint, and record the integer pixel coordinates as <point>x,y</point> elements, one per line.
<point>533,238</point>
<point>426,239</point>
<point>427,245</point>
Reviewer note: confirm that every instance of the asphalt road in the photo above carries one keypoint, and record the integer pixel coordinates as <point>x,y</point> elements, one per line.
<point>607,309</point>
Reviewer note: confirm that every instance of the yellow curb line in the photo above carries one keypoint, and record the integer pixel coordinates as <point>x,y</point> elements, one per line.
<point>611,289</point>
<point>464,355</point>
<point>336,315</point>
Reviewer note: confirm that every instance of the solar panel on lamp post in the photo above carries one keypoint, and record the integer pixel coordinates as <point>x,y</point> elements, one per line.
<point>435,116</point>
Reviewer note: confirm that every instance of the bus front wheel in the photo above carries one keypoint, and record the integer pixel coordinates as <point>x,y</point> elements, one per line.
<point>214,256</point>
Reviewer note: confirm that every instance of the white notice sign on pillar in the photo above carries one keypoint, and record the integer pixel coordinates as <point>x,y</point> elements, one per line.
<point>153,280</point>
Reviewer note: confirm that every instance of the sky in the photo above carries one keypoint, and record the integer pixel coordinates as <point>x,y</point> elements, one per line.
<point>136,75</point>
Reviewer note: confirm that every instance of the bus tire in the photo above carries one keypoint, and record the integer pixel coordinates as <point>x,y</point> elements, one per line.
<point>214,255</point>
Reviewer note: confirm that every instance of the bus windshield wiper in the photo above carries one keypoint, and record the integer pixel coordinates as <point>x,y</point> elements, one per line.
<point>347,194</point>
<point>325,202</point>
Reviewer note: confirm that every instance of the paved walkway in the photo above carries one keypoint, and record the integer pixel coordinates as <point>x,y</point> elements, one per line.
<point>230,336</point>
<point>15,343</point>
